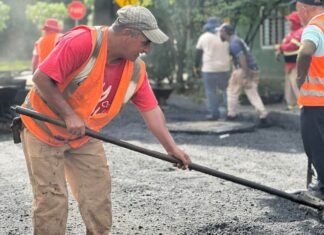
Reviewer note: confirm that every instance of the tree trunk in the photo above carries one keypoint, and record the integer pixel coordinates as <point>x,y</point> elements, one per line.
<point>104,12</point>
<point>252,34</point>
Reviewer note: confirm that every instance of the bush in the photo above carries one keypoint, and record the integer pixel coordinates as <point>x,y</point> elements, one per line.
<point>4,15</point>
<point>160,65</point>
<point>39,12</point>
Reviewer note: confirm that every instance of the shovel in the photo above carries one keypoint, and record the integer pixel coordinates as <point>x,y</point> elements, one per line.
<point>298,198</point>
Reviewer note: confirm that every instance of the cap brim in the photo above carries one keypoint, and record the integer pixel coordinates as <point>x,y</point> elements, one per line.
<point>52,28</point>
<point>292,19</point>
<point>210,26</point>
<point>156,36</point>
<point>218,28</point>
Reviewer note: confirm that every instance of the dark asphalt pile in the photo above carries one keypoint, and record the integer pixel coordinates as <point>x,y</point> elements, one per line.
<point>151,197</point>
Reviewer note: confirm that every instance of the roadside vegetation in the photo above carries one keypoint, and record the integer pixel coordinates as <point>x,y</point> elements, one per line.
<point>15,65</point>
<point>20,24</point>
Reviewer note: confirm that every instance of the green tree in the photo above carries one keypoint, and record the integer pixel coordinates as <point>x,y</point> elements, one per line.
<point>4,15</point>
<point>39,12</point>
<point>246,13</point>
<point>177,19</point>
<point>182,20</point>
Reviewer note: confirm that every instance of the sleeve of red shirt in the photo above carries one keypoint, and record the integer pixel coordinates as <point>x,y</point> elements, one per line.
<point>144,98</point>
<point>71,51</point>
<point>288,45</point>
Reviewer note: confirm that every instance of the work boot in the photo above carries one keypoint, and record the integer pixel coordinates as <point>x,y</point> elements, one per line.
<point>211,117</point>
<point>292,107</point>
<point>263,123</point>
<point>231,118</point>
<point>315,191</point>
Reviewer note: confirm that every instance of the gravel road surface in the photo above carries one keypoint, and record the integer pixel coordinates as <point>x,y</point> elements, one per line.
<point>152,197</point>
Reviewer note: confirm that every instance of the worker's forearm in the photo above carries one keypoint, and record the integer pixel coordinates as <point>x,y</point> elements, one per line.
<point>198,58</point>
<point>244,65</point>
<point>50,93</point>
<point>304,59</point>
<point>303,63</point>
<point>34,63</point>
<point>155,121</point>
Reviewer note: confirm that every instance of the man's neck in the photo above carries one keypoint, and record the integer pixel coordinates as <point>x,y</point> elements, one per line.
<point>113,56</point>
<point>317,12</point>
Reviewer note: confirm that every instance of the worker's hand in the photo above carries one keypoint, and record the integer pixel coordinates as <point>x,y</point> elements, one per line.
<point>247,83</point>
<point>246,75</point>
<point>75,125</point>
<point>277,51</point>
<point>181,155</point>
<point>277,47</point>
<point>196,71</point>
<point>277,55</point>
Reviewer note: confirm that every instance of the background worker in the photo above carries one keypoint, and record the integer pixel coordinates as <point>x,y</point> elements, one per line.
<point>289,48</point>
<point>213,54</point>
<point>310,67</point>
<point>45,44</point>
<point>86,79</point>
<point>244,77</point>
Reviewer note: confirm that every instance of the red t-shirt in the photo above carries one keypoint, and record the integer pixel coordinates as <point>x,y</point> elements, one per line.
<point>72,50</point>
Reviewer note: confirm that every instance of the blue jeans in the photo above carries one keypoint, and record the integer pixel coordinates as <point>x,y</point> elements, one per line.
<point>212,83</point>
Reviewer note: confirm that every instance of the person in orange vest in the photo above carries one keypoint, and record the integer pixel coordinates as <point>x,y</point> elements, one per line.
<point>289,48</point>
<point>45,44</point>
<point>310,74</point>
<point>89,75</point>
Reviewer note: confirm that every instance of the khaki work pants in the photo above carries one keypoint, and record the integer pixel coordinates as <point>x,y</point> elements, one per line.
<point>250,86</point>
<point>291,87</point>
<point>87,172</point>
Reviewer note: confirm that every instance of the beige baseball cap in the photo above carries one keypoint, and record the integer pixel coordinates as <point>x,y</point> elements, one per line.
<point>138,17</point>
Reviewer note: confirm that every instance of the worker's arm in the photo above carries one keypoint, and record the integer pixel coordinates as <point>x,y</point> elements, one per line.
<point>54,98</point>
<point>244,66</point>
<point>34,63</point>
<point>304,59</point>
<point>155,121</point>
<point>198,61</point>
<point>198,58</point>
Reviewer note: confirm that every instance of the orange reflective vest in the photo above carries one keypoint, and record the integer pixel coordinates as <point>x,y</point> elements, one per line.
<point>83,89</point>
<point>312,90</point>
<point>45,45</point>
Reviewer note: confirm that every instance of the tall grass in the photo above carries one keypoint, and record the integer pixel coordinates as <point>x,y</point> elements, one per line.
<point>16,65</point>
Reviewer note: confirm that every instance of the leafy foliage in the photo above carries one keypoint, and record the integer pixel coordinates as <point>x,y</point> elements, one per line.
<point>89,3</point>
<point>247,12</point>
<point>182,20</point>
<point>17,65</point>
<point>177,20</point>
<point>4,15</point>
<point>41,11</point>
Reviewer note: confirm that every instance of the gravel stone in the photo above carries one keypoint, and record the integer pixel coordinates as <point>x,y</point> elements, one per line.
<point>151,197</point>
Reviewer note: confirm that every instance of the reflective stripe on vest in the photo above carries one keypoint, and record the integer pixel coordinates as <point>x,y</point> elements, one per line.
<point>295,52</point>
<point>315,80</point>
<point>312,90</point>
<point>84,73</point>
<point>132,77</point>
<point>289,53</point>
<point>296,42</point>
<point>134,81</point>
